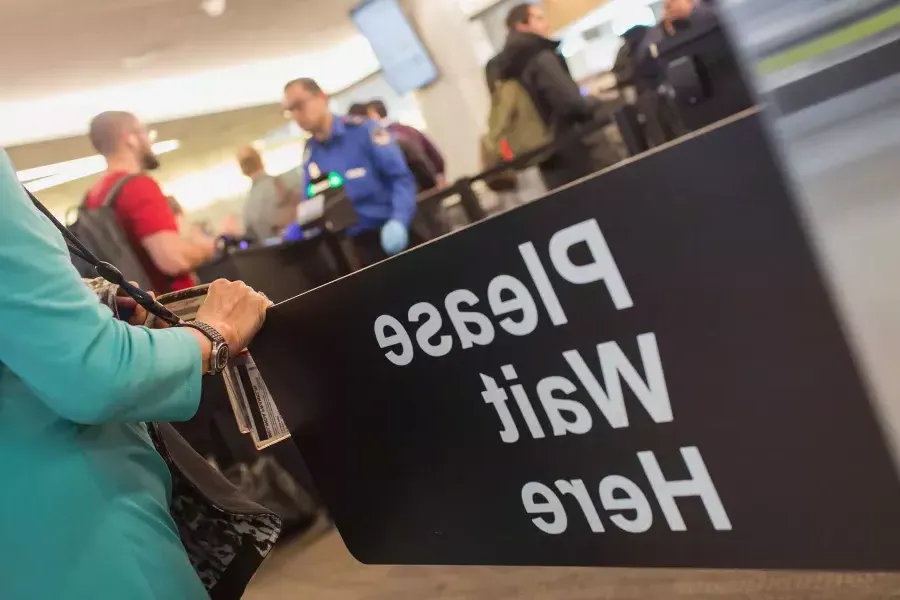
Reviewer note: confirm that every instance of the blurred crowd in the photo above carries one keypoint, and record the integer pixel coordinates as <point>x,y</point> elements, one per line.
<point>538,114</point>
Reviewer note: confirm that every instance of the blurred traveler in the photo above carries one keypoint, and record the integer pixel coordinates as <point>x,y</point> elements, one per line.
<point>376,177</point>
<point>679,15</point>
<point>272,202</point>
<point>142,208</point>
<point>359,110</point>
<point>636,67</point>
<point>631,66</point>
<point>378,111</point>
<point>189,229</point>
<point>87,496</point>
<point>515,127</point>
<point>417,161</point>
<point>532,59</point>
<point>185,227</point>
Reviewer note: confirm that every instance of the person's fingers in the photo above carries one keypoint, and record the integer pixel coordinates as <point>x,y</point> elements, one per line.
<point>139,317</point>
<point>126,302</point>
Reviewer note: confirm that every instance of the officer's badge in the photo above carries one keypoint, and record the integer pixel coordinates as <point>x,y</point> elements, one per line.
<point>314,171</point>
<point>381,137</point>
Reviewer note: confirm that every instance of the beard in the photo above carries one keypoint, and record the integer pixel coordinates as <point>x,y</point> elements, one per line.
<point>149,161</point>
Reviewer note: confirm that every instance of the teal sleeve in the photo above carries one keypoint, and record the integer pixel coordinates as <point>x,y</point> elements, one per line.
<point>59,340</point>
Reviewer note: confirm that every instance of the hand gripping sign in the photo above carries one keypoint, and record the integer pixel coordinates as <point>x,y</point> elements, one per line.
<point>254,408</point>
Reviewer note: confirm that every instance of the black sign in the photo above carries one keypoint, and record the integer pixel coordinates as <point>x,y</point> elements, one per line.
<point>642,369</point>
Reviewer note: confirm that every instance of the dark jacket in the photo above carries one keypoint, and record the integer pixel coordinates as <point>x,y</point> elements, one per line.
<point>421,167</point>
<point>536,63</point>
<point>422,143</point>
<point>634,63</point>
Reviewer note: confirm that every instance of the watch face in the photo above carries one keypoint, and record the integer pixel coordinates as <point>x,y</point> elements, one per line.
<point>221,358</point>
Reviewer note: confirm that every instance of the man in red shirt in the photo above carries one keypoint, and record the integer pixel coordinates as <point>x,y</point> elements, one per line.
<point>144,212</point>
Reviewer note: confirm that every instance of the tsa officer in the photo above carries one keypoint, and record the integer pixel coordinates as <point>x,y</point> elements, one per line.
<point>376,177</point>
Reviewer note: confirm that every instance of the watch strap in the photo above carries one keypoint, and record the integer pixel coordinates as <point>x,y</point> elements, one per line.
<point>213,335</point>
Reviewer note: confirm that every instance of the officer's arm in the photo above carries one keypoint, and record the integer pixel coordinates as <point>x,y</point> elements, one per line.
<point>388,159</point>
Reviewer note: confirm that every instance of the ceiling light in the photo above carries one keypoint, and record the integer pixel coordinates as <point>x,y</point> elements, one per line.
<point>335,67</point>
<point>213,8</point>
<point>48,176</point>
<point>629,16</point>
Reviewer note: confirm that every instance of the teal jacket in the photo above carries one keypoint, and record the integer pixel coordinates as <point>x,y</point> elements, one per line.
<point>83,494</point>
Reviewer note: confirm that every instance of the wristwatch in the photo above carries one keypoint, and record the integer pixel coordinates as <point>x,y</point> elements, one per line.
<point>218,358</point>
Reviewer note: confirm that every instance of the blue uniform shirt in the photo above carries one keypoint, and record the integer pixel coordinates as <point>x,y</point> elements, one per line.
<point>376,177</point>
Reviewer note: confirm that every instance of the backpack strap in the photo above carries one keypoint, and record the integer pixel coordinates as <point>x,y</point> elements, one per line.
<point>116,189</point>
<point>105,270</point>
<point>113,194</point>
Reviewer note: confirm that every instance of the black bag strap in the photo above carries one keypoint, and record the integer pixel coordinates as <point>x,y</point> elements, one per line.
<point>112,195</point>
<point>107,271</point>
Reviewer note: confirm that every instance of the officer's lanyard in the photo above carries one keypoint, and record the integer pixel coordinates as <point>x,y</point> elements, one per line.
<point>107,271</point>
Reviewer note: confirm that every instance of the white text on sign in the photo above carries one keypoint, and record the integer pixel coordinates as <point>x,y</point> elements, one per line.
<point>555,396</point>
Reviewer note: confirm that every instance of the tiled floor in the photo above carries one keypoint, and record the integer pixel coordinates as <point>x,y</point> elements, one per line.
<point>324,570</point>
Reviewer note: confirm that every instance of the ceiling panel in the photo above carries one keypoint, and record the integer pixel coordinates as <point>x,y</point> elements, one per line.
<point>66,45</point>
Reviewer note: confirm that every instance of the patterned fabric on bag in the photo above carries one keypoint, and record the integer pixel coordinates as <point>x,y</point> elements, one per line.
<point>211,535</point>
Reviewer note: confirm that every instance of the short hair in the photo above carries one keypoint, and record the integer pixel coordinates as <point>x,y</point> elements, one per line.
<point>518,15</point>
<point>379,107</point>
<point>307,83</point>
<point>358,110</point>
<point>106,129</point>
<point>250,161</point>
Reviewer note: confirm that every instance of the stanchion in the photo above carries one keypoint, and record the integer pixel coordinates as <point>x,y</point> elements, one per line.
<point>342,261</point>
<point>630,130</point>
<point>469,200</point>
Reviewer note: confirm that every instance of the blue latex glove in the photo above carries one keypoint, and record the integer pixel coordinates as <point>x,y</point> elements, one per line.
<point>394,237</point>
<point>293,233</point>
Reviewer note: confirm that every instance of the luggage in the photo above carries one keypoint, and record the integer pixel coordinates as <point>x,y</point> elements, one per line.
<point>515,120</point>
<point>99,230</point>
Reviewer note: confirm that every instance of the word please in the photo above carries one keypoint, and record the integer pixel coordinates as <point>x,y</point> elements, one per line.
<point>626,504</point>
<point>507,297</point>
